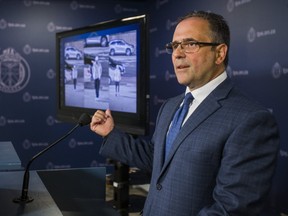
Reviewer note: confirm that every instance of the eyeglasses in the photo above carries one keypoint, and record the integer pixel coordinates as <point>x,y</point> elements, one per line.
<point>187,46</point>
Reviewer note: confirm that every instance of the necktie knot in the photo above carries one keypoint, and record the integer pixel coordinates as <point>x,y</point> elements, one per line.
<point>187,100</point>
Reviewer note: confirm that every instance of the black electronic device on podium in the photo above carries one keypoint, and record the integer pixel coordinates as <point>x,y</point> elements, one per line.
<point>80,191</point>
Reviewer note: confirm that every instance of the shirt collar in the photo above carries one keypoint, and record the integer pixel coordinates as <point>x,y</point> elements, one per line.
<point>201,93</point>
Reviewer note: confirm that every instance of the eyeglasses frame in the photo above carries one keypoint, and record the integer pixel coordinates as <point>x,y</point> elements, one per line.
<point>191,42</point>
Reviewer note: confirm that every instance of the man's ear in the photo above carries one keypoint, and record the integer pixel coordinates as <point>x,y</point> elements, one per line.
<point>221,52</point>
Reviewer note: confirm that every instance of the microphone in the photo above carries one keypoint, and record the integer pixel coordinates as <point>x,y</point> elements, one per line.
<point>84,119</point>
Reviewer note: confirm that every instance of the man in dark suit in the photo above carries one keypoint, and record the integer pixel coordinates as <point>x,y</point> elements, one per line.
<point>222,160</point>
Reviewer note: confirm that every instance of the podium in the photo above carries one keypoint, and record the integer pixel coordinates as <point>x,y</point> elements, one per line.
<point>9,159</point>
<point>71,192</point>
<point>10,188</point>
<point>67,192</point>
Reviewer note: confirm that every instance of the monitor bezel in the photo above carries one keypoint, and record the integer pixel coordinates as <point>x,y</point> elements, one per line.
<point>134,123</point>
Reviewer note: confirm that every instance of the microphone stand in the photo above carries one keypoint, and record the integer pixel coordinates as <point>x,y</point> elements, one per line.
<point>24,198</point>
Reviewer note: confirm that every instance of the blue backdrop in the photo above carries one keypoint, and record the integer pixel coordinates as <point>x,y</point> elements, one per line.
<point>258,64</point>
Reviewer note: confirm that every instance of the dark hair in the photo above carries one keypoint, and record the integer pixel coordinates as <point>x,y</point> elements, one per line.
<point>218,26</point>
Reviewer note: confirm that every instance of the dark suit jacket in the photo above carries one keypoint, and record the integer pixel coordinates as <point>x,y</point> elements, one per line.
<point>221,162</point>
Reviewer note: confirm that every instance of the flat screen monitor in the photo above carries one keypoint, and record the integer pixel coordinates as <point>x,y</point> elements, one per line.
<point>105,66</point>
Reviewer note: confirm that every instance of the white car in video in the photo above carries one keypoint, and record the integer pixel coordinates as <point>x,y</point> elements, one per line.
<point>73,53</point>
<point>120,47</point>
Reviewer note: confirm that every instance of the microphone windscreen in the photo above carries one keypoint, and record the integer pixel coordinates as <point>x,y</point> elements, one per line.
<point>84,119</point>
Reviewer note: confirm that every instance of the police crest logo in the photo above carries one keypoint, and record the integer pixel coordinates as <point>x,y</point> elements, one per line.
<point>14,71</point>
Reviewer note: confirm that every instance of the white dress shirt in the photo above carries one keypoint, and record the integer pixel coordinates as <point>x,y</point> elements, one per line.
<point>201,93</point>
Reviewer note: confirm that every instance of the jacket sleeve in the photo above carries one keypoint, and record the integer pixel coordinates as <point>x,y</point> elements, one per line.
<point>128,149</point>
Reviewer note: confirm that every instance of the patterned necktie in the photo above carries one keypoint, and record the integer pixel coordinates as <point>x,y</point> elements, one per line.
<point>177,122</point>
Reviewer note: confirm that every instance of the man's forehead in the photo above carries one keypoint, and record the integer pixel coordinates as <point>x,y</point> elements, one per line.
<point>193,27</point>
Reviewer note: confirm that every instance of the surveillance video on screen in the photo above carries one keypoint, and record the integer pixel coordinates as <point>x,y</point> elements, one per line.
<point>100,70</point>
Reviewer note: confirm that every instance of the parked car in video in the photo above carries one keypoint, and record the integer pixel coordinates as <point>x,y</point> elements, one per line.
<point>73,53</point>
<point>120,47</point>
<point>101,40</point>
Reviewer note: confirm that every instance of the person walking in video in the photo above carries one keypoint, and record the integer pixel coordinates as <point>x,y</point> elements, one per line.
<point>117,78</point>
<point>97,73</point>
<point>74,75</point>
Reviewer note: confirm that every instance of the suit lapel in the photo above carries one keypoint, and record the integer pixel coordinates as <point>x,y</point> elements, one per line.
<point>206,108</point>
<point>173,106</point>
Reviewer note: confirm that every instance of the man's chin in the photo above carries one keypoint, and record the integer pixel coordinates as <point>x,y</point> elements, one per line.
<point>182,82</point>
